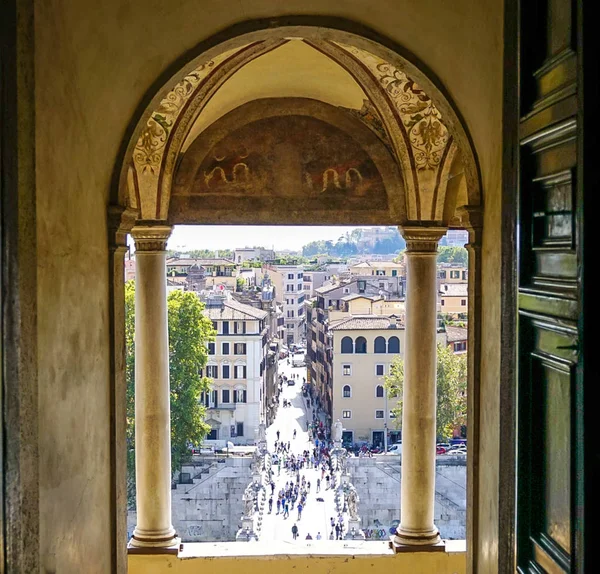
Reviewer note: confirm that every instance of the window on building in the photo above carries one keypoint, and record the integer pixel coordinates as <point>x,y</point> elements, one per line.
<point>211,348</point>
<point>239,396</point>
<point>290,288</point>
<point>378,414</point>
<point>380,345</point>
<point>225,371</point>
<point>240,371</point>
<point>225,348</point>
<point>460,346</point>
<point>463,302</point>
<point>443,303</point>
<point>380,370</point>
<point>347,391</point>
<point>239,349</point>
<point>300,275</point>
<point>394,272</point>
<point>393,345</point>
<point>290,326</point>
<point>346,290</point>
<point>290,314</point>
<point>454,274</point>
<point>300,311</point>
<point>347,345</point>
<point>442,274</point>
<point>239,429</point>
<point>239,327</point>
<point>214,398</point>
<point>212,371</point>
<point>346,414</point>
<point>379,392</point>
<point>290,275</point>
<point>225,327</point>
<point>360,345</point>
<point>362,285</point>
<point>347,370</point>
<point>213,434</point>
<point>215,326</point>
<point>225,396</point>
<point>382,285</point>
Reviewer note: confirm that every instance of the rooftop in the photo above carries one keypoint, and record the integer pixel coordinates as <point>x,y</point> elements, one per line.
<point>234,311</point>
<point>454,289</point>
<point>455,334</point>
<point>366,322</point>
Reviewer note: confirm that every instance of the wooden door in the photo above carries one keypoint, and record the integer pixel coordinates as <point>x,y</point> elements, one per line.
<point>555,462</point>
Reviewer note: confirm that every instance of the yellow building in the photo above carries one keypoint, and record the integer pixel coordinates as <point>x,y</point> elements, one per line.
<point>363,348</point>
<point>454,298</point>
<point>378,268</point>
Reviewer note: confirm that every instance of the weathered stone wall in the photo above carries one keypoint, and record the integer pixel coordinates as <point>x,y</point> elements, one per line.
<point>378,485</point>
<point>211,508</point>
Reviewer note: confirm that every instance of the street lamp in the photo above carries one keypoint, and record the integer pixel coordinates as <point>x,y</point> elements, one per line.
<point>385,417</point>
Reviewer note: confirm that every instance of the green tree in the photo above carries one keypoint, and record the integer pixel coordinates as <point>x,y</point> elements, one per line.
<point>451,390</point>
<point>189,332</point>
<point>457,255</point>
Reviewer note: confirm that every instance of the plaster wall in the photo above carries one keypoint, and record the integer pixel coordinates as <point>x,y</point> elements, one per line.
<point>94,64</point>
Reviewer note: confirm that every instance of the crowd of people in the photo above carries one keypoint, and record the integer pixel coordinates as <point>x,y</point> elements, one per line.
<point>295,460</point>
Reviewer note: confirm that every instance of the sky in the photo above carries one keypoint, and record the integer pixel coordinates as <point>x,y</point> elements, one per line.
<point>234,236</point>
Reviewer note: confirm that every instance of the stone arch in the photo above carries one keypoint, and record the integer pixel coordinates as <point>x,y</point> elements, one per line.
<point>412,92</point>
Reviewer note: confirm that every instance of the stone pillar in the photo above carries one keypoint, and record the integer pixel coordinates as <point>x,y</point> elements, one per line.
<point>419,394</point>
<point>152,405</point>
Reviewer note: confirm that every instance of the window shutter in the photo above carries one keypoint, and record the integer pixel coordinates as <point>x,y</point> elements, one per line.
<point>244,371</point>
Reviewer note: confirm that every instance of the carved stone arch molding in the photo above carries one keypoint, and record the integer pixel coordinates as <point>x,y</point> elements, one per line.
<point>423,130</point>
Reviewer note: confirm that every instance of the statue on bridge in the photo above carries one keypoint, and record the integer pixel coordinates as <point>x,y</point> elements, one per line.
<point>337,433</point>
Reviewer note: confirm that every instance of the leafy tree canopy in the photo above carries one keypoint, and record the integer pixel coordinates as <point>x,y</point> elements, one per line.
<point>189,332</point>
<point>457,255</point>
<point>451,390</point>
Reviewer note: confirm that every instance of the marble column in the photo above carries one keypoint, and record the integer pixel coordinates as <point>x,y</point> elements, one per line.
<point>152,406</point>
<point>419,394</point>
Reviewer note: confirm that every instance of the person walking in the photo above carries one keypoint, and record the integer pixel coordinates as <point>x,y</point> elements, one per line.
<point>270,503</point>
<point>318,484</point>
<point>300,507</point>
<point>278,505</point>
<point>286,511</point>
<point>318,536</point>
<point>295,531</point>
<point>294,433</point>
<point>277,435</point>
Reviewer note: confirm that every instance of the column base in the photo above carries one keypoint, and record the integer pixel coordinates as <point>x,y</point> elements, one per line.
<point>162,542</point>
<point>172,549</point>
<point>416,538</point>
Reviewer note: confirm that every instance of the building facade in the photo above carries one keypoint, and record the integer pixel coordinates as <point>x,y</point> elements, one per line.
<point>289,292</point>
<point>242,254</point>
<point>237,362</point>
<point>363,349</point>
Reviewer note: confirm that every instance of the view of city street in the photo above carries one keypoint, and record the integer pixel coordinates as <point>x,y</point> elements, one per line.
<point>320,505</point>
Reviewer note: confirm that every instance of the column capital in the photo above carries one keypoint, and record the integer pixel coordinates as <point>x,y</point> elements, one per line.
<point>151,237</point>
<point>120,222</point>
<point>422,239</point>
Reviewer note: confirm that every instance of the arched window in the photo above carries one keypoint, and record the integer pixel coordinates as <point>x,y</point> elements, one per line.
<point>393,345</point>
<point>380,345</point>
<point>379,391</point>
<point>360,345</point>
<point>347,391</point>
<point>347,346</point>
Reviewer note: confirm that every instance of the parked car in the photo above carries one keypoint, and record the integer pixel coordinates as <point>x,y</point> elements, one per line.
<point>457,451</point>
<point>395,449</point>
<point>440,450</point>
